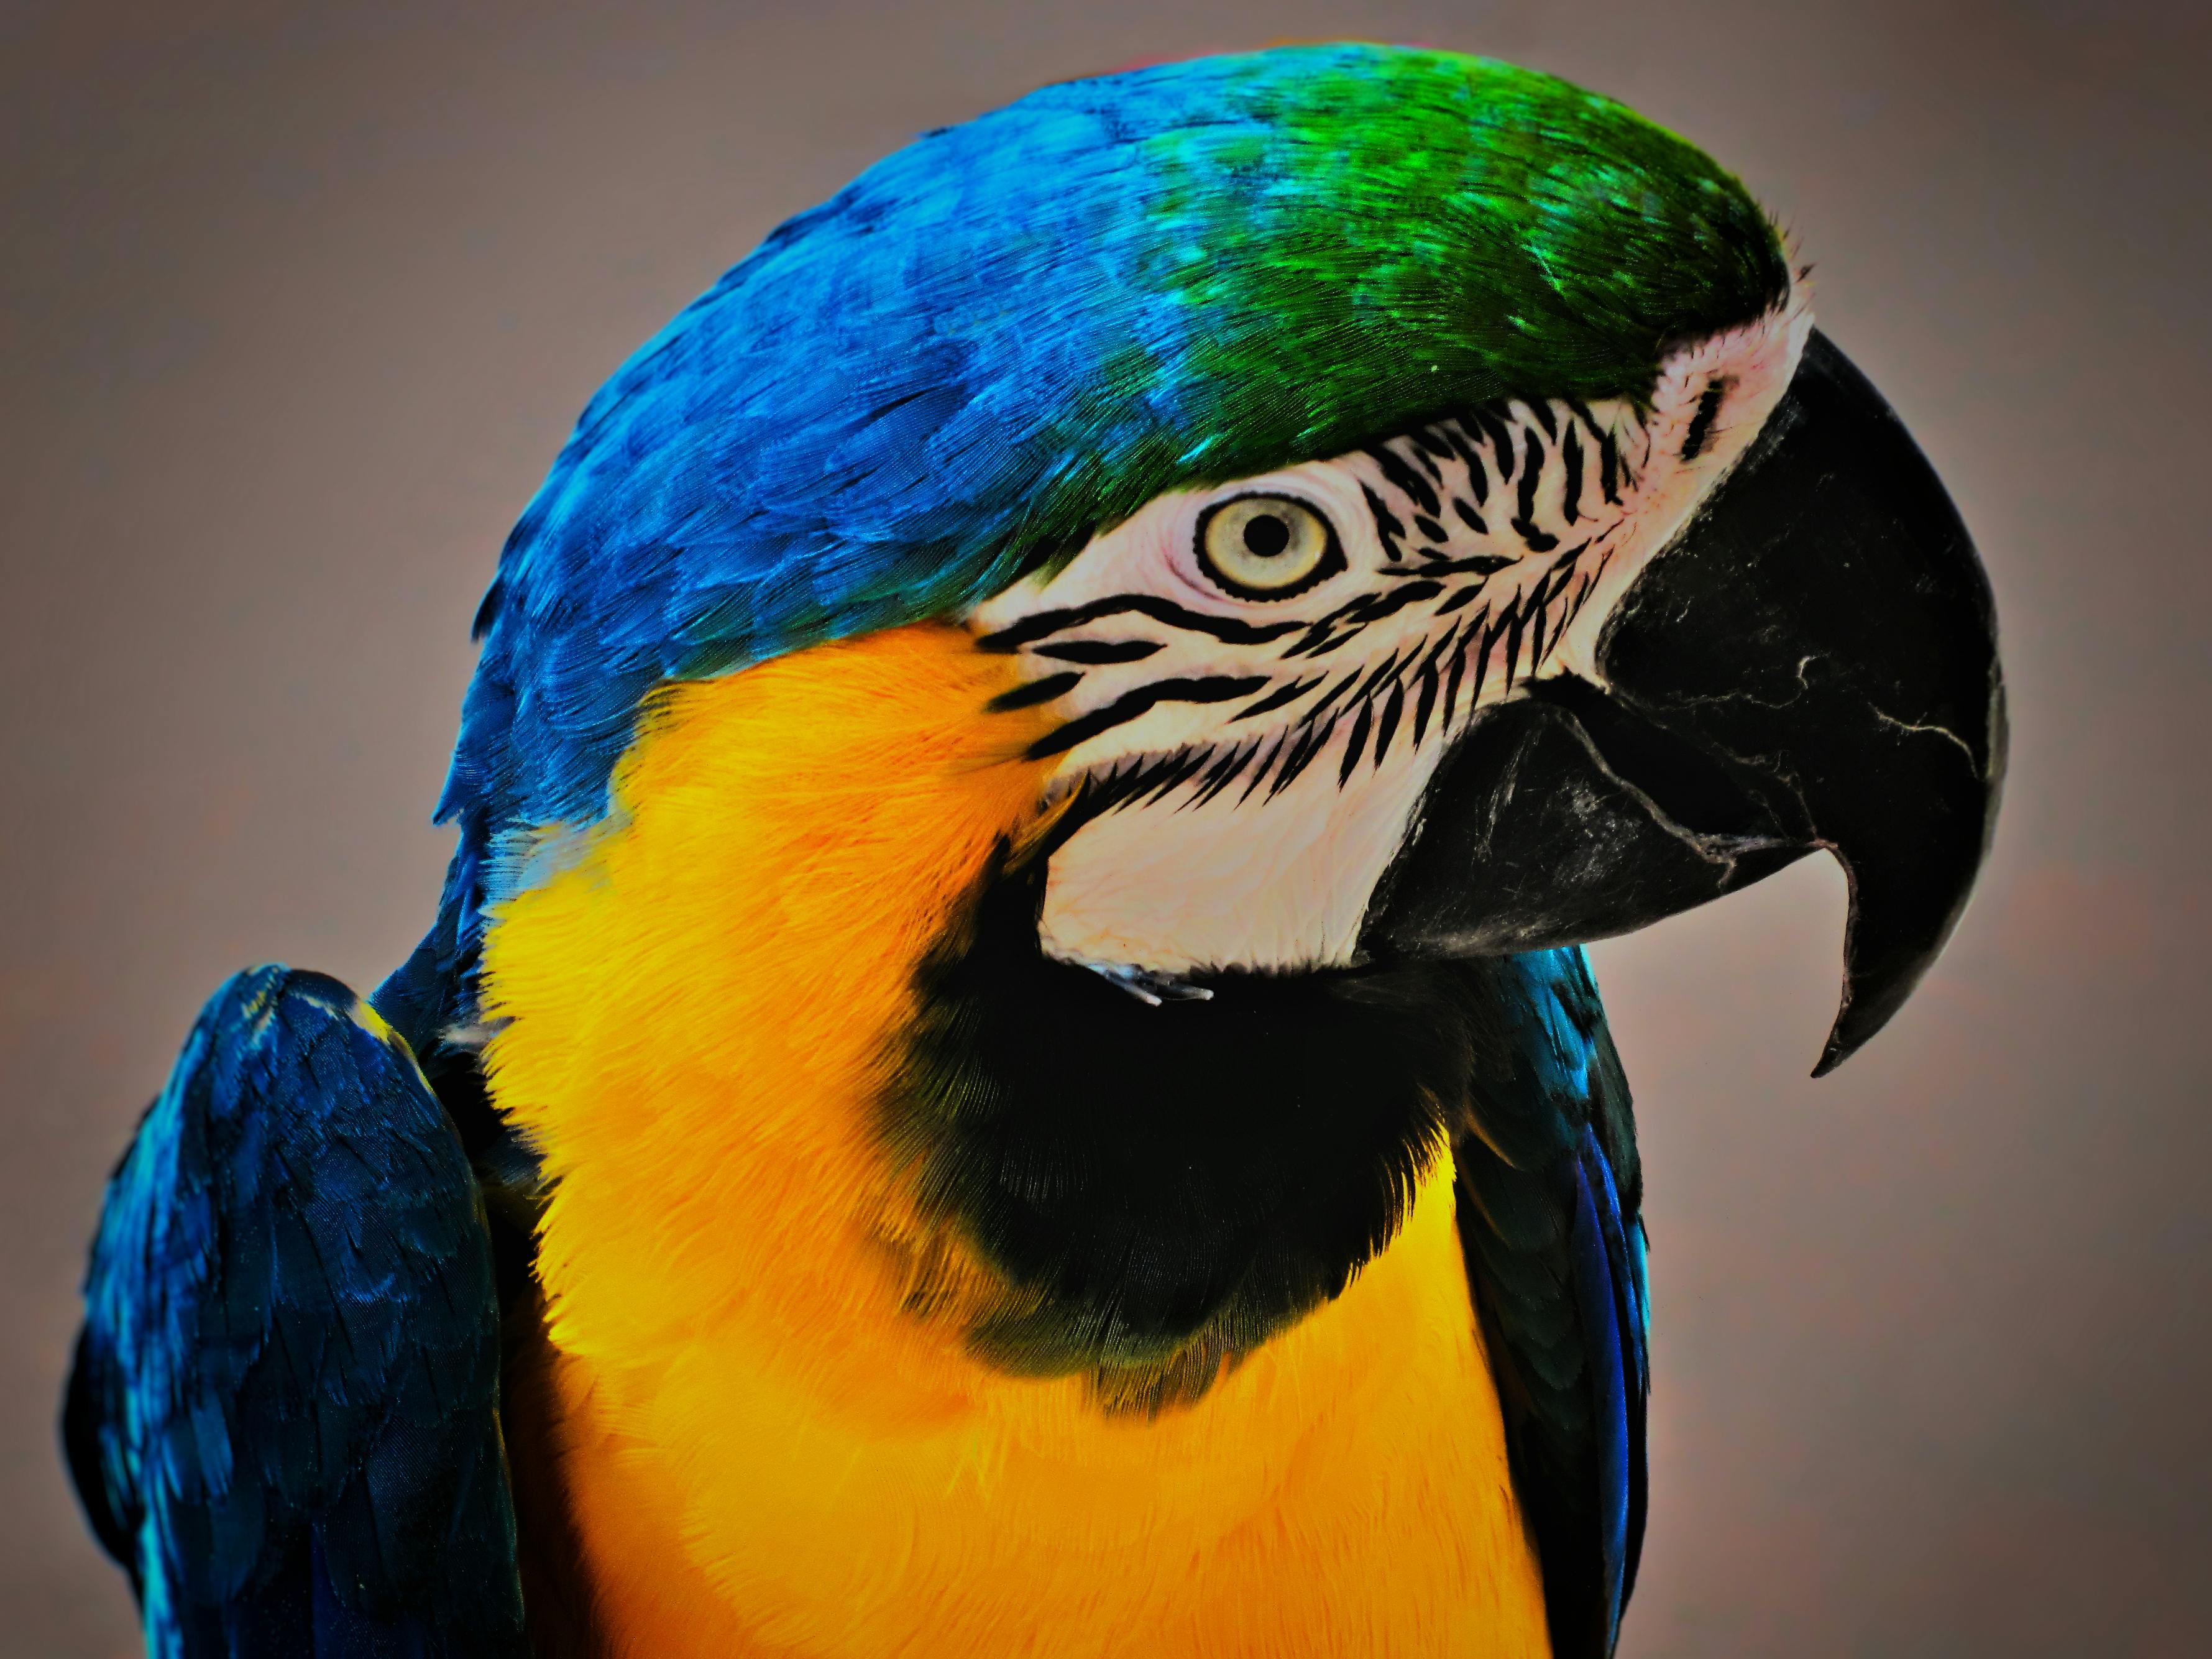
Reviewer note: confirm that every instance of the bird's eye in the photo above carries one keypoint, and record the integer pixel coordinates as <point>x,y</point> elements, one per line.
<point>1267,547</point>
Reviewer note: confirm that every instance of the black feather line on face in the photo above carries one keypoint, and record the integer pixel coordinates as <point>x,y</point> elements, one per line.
<point>1404,478</point>
<point>1315,738</point>
<point>1208,771</point>
<point>1225,772</point>
<point>1474,564</point>
<point>1033,692</point>
<point>1478,476</point>
<point>1386,727</point>
<point>1373,698</point>
<point>1425,702</point>
<point>1099,651</point>
<point>1230,630</point>
<point>1356,745</point>
<point>1277,698</point>
<point>1387,528</point>
<point>1570,493</point>
<point>1131,705</point>
<point>1478,642</point>
<point>1524,521</point>
<point>1178,773</point>
<point>1700,428</point>
<point>1318,709</point>
<point>1460,600</point>
<point>1098,793</point>
<point>1267,761</point>
<point>1382,672</point>
<point>1501,442</point>
<point>1436,651</point>
<point>1426,679</point>
<point>1363,610</point>
<point>1422,453</point>
<point>1515,621</point>
<point>1339,643</point>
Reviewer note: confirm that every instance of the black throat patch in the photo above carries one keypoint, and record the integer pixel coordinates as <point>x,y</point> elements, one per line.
<point>1163,1187</point>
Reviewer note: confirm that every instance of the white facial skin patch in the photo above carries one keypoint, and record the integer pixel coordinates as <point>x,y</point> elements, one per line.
<point>1256,681</point>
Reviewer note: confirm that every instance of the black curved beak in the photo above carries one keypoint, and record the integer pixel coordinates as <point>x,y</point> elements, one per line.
<point>1811,664</point>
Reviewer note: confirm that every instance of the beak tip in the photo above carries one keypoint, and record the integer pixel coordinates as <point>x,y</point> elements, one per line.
<point>1839,1048</point>
<point>1855,1026</point>
<point>1858,1022</point>
<point>1880,972</point>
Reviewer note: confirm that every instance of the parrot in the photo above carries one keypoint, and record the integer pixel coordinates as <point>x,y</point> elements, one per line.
<point>1005,1065</point>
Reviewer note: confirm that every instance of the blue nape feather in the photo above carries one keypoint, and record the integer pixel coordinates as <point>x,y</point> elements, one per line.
<point>284,1419</point>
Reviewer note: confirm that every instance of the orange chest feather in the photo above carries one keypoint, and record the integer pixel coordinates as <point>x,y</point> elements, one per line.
<point>774,1441</point>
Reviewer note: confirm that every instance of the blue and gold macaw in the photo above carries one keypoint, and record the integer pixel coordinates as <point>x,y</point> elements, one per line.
<point>1004,1067</point>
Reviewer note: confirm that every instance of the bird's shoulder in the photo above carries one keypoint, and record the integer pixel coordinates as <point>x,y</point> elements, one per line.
<point>283,1416</point>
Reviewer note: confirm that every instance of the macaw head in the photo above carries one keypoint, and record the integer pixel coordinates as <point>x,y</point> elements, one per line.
<point>1524,674</point>
<point>1409,493</point>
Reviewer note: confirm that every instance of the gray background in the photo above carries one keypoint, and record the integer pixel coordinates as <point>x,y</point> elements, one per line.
<point>297,308</point>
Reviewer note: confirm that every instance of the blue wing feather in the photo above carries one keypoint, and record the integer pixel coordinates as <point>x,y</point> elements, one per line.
<point>1599,1262</point>
<point>1548,1192</point>
<point>284,1416</point>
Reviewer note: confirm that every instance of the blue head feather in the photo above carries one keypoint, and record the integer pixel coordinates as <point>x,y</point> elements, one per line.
<point>1017,331</point>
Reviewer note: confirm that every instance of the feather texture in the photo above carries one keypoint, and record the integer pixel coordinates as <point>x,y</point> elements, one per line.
<point>1549,1189</point>
<point>777,1430</point>
<point>1018,331</point>
<point>1000,341</point>
<point>283,1418</point>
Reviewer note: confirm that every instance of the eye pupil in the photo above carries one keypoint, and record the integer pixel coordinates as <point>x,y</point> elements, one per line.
<point>1265,547</point>
<point>1266,535</point>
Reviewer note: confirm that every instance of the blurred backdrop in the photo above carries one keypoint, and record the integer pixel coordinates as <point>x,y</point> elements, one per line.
<point>296,303</point>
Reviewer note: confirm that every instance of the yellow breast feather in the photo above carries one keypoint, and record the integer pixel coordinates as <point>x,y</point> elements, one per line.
<point>776,1440</point>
